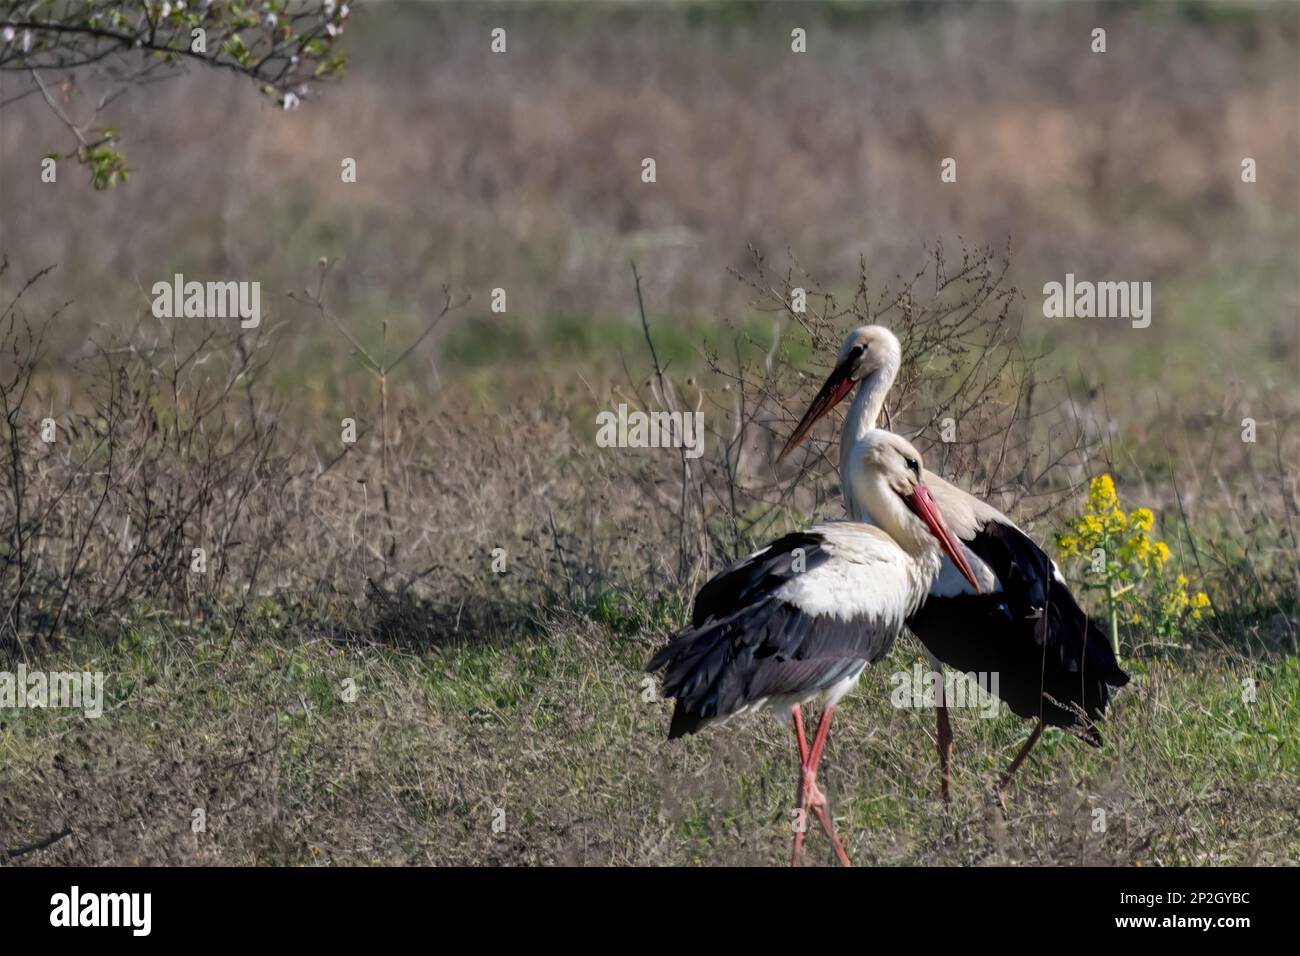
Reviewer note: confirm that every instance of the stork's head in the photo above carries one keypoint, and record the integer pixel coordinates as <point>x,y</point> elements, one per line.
<point>867,349</point>
<point>888,475</point>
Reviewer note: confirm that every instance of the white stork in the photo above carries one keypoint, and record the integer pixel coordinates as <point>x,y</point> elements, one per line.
<point>1054,663</point>
<point>801,618</point>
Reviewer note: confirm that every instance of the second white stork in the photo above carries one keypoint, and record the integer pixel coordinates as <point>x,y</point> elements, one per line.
<point>800,619</point>
<point>1054,663</point>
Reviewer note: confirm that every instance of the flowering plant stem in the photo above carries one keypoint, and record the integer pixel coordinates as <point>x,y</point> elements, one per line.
<point>1112,607</point>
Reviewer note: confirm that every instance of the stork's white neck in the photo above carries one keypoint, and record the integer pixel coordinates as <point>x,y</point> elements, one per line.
<point>861,419</point>
<point>885,508</point>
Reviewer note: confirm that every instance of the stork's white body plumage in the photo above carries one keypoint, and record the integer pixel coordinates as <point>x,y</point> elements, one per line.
<point>798,620</point>
<point>867,581</point>
<point>870,578</point>
<point>1006,609</point>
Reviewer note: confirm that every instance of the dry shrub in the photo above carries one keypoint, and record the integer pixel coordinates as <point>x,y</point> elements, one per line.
<point>174,443</point>
<point>170,441</point>
<point>168,449</point>
<point>1016,441</point>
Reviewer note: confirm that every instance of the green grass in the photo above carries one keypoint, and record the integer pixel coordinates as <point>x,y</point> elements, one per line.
<point>1204,328</point>
<point>560,343</point>
<point>553,728</point>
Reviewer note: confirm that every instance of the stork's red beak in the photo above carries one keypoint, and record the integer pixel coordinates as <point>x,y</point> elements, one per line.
<point>838,384</point>
<point>921,503</point>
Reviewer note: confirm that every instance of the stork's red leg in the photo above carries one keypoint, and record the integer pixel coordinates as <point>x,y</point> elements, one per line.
<point>810,795</point>
<point>797,715</point>
<point>824,818</point>
<point>943,736</point>
<point>800,823</point>
<point>1015,764</point>
<point>815,798</point>
<point>819,742</point>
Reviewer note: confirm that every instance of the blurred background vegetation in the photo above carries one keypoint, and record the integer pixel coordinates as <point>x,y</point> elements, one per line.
<point>521,171</point>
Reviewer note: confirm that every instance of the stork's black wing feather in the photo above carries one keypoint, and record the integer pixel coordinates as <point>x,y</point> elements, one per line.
<point>760,573</point>
<point>745,644</point>
<point>1050,657</point>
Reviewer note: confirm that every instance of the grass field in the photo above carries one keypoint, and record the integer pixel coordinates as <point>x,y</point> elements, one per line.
<point>427,646</point>
<point>544,731</point>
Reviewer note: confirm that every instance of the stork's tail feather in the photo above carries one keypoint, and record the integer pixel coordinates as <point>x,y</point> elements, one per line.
<point>768,650</point>
<point>693,663</point>
<point>1054,662</point>
<point>1089,660</point>
<point>683,722</point>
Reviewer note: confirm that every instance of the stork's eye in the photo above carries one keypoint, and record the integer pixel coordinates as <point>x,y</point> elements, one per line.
<point>914,466</point>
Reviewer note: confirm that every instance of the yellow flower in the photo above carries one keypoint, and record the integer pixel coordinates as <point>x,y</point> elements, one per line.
<point>1175,602</point>
<point>1141,518</point>
<point>1115,521</point>
<point>1200,601</point>
<point>1161,553</point>
<point>1101,493</point>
